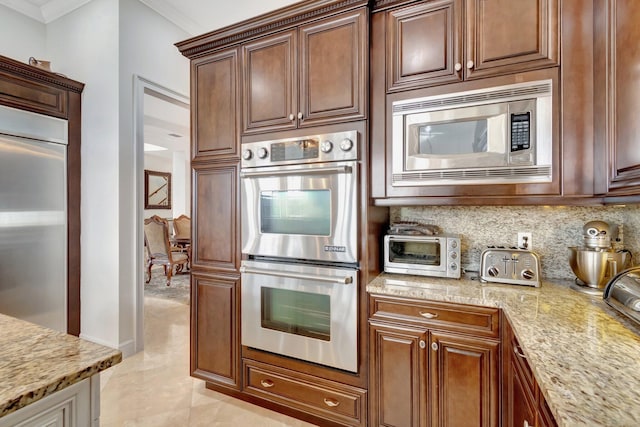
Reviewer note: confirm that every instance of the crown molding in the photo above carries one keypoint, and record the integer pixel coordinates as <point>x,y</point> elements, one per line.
<point>167,10</point>
<point>49,12</point>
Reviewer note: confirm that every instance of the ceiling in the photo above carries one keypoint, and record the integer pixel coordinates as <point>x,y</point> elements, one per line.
<point>193,16</point>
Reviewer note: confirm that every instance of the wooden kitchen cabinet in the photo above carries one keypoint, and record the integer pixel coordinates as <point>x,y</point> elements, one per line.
<point>444,41</point>
<point>215,331</point>
<point>523,402</point>
<point>427,357</point>
<point>314,74</point>
<point>215,280</point>
<point>214,95</point>
<point>330,401</point>
<point>616,101</point>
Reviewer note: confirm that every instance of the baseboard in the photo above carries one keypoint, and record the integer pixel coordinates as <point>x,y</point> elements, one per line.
<point>127,348</point>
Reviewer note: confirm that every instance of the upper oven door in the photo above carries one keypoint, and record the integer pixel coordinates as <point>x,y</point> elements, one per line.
<point>305,212</point>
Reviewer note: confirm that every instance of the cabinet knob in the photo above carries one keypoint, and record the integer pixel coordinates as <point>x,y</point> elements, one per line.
<point>332,403</point>
<point>422,344</point>
<point>266,383</point>
<point>469,64</point>
<point>300,115</point>
<point>428,315</point>
<point>291,117</point>
<point>434,346</point>
<point>458,66</point>
<point>519,352</point>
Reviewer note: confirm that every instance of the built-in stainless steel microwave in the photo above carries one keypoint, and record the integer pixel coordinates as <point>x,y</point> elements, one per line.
<point>496,135</point>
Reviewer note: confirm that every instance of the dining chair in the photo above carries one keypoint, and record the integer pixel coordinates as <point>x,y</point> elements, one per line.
<point>159,249</point>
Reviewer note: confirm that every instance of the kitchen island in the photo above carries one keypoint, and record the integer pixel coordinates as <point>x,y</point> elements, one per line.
<point>38,364</point>
<point>584,355</point>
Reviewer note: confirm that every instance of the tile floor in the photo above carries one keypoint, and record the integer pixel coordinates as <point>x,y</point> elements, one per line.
<point>153,387</point>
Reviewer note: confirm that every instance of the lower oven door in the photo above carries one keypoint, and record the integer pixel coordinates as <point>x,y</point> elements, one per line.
<point>301,311</point>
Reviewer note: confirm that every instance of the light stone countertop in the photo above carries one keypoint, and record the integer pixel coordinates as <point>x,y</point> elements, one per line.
<point>36,362</point>
<point>584,355</point>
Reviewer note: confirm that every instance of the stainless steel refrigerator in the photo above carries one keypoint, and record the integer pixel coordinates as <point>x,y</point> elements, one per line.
<point>33,217</point>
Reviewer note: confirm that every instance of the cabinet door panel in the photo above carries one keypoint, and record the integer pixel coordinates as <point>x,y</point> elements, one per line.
<point>506,36</point>
<point>423,44</point>
<point>398,376</point>
<point>333,69</point>
<point>269,83</point>
<point>215,124</point>
<point>464,369</point>
<point>623,103</point>
<point>215,208</point>
<point>215,343</point>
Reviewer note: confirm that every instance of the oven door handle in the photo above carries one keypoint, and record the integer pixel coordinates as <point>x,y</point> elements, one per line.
<point>346,280</point>
<point>300,171</point>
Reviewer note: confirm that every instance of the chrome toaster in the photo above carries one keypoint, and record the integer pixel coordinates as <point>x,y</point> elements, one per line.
<point>510,266</point>
<point>623,293</point>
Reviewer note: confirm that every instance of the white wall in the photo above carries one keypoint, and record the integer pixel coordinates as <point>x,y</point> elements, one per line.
<point>84,45</point>
<point>146,49</point>
<point>22,37</point>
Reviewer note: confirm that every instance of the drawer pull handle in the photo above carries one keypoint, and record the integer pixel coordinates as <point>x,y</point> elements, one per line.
<point>267,383</point>
<point>332,403</point>
<point>428,315</point>
<point>519,352</point>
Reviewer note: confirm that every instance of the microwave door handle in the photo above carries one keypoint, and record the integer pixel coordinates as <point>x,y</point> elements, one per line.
<point>330,279</point>
<point>300,171</point>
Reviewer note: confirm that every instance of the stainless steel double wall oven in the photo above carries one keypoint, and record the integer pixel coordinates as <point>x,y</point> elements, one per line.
<point>300,248</point>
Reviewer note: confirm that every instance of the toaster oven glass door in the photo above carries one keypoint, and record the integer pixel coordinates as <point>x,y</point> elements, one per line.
<point>428,253</point>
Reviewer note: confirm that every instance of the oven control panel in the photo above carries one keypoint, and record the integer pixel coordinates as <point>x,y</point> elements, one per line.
<point>331,147</point>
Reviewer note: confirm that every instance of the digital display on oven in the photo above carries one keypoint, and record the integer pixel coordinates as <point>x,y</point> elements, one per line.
<point>294,150</point>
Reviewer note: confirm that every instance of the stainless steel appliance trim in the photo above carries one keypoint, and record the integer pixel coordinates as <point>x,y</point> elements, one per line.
<point>340,245</point>
<point>299,171</point>
<point>342,280</point>
<point>481,168</point>
<point>341,351</point>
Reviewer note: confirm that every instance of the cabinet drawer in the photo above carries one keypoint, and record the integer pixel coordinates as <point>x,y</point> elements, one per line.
<point>521,363</point>
<point>326,399</point>
<point>480,321</point>
<point>33,96</point>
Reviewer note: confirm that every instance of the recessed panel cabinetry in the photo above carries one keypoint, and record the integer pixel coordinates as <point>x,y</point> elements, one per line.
<point>443,41</point>
<point>617,59</point>
<point>523,402</point>
<point>427,357</point>
<point>214,97</point>
<point>311,75</point>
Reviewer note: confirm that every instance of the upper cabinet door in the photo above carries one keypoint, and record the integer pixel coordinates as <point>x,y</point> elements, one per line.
<point>333,69</point>
<point>617,61</point>
<point>270,94</point>
<point>505,36</point>
<point>214,93</point>
<point>424,44</point>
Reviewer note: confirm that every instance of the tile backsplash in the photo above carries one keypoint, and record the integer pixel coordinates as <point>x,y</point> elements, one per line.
<point>553,228</point>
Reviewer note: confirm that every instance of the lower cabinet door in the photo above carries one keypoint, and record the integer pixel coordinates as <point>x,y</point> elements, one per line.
<point>464,380</point>
<point>398,376</point>
<point>215,329</point>
<point>340,403</point>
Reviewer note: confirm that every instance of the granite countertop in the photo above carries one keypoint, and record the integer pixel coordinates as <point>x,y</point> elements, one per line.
<point>584,355</point>
<point>36,362</point>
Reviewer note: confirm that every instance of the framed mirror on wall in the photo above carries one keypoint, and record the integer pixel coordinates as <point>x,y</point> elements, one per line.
<point>157,190</point>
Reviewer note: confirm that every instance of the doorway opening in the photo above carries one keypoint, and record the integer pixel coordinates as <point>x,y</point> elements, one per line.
<point>162,135</point>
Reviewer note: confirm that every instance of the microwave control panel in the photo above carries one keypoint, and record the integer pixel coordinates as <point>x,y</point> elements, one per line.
<point>520,131</point>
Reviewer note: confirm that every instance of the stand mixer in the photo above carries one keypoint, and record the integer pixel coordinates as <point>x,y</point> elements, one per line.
<point>595,263</point>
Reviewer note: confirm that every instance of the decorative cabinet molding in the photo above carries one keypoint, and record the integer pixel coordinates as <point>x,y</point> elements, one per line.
<point>311,75</point>
<point>444,41</point>
<point>215,89</point>
<point>617,153</point>
<point>215,331</point>
<point>426,357</point>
